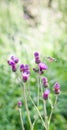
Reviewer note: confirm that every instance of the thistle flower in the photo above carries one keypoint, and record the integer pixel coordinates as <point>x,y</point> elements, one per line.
<point>12,62</point>
<point>14,68</point>
<point>15,59</point>
<point>22,67</point>
<point>57,88</point>
<point>27,70</point>
<point>42,66</point>
<point>46,94</point>
<point>45,82</point>
<point>37,57</point>
<point>19,103</point>
<point>25,76</point>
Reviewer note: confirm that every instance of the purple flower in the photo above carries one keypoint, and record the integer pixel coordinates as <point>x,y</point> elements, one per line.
<point>25,76</point>
<point>10,62</point>
<point>14,69</point>
<point>37,57</point>
<point>46,94</point>
<point>57,88</point>
<point>19,103</point>
<point>25,68</point>
<point>22,67</point>
<point>45,82</point>
<point>37,60</point>
<point>15,59</point>
<point>42,66</point>
<point>36,54</point>
<point>44,79</point>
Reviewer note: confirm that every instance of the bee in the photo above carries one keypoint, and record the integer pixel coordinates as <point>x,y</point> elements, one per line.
<point>51,59</point>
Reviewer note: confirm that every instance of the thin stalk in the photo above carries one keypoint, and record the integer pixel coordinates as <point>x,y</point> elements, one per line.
<point>44,104</point>
<point>38,90</point>
<point>22,125</point>
<point>38,112</point>
<point>52,110</point>
<point>26,105</point>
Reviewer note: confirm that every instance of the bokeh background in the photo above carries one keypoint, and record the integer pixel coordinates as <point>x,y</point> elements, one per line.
<point>27,26</point>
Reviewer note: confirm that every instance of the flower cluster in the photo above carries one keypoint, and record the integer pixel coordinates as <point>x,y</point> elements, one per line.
<point>25,72</point>
<point>12,62</point>
<point>41,66</point>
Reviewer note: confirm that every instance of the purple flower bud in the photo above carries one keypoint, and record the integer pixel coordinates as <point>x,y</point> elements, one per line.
<point>25,77</point>
<point>45,82</point>
<point>37,58</point>
<point>57,88</point>
<point>42,66</point>
<point>36,54</point>
<point>19,103</point>
<point>14,69</point>
<point>46,94</point>
<point>12,58</point>
<point>10,62</point>
<point>44,79</point>
<point>27,70</point>
<point>22,67</point>
<point>15,59</point>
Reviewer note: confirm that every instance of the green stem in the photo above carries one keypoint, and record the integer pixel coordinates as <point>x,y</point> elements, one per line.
<point>38,112</point>
<point>21,119</point>
<point>38,90</point>
<point>26,105</point>
<point>52,111</point>
<point>44,103</point>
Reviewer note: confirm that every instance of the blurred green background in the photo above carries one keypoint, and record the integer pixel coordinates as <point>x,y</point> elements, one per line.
<point>27,26</point>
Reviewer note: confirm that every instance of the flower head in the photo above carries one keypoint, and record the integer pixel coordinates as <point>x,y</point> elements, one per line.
<point>57,88</point>
<point>25,68</point>
<point>45,82</point>
<point>14,68</point>
<point>42,66</point>
<point>22,67</point>
<point>37,57</point>
<point>46,94</point>
<point>19,103</point>
<point>25,76</point>
<point>12,62</point>
<point>15,59</point>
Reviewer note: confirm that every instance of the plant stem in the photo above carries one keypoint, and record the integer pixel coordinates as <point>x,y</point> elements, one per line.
<point>52,111</point>
<point>21,119</point>
<point>44,103</point>
<point>38,90</point>
<point>26,105</point>
<point>38,112</point>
